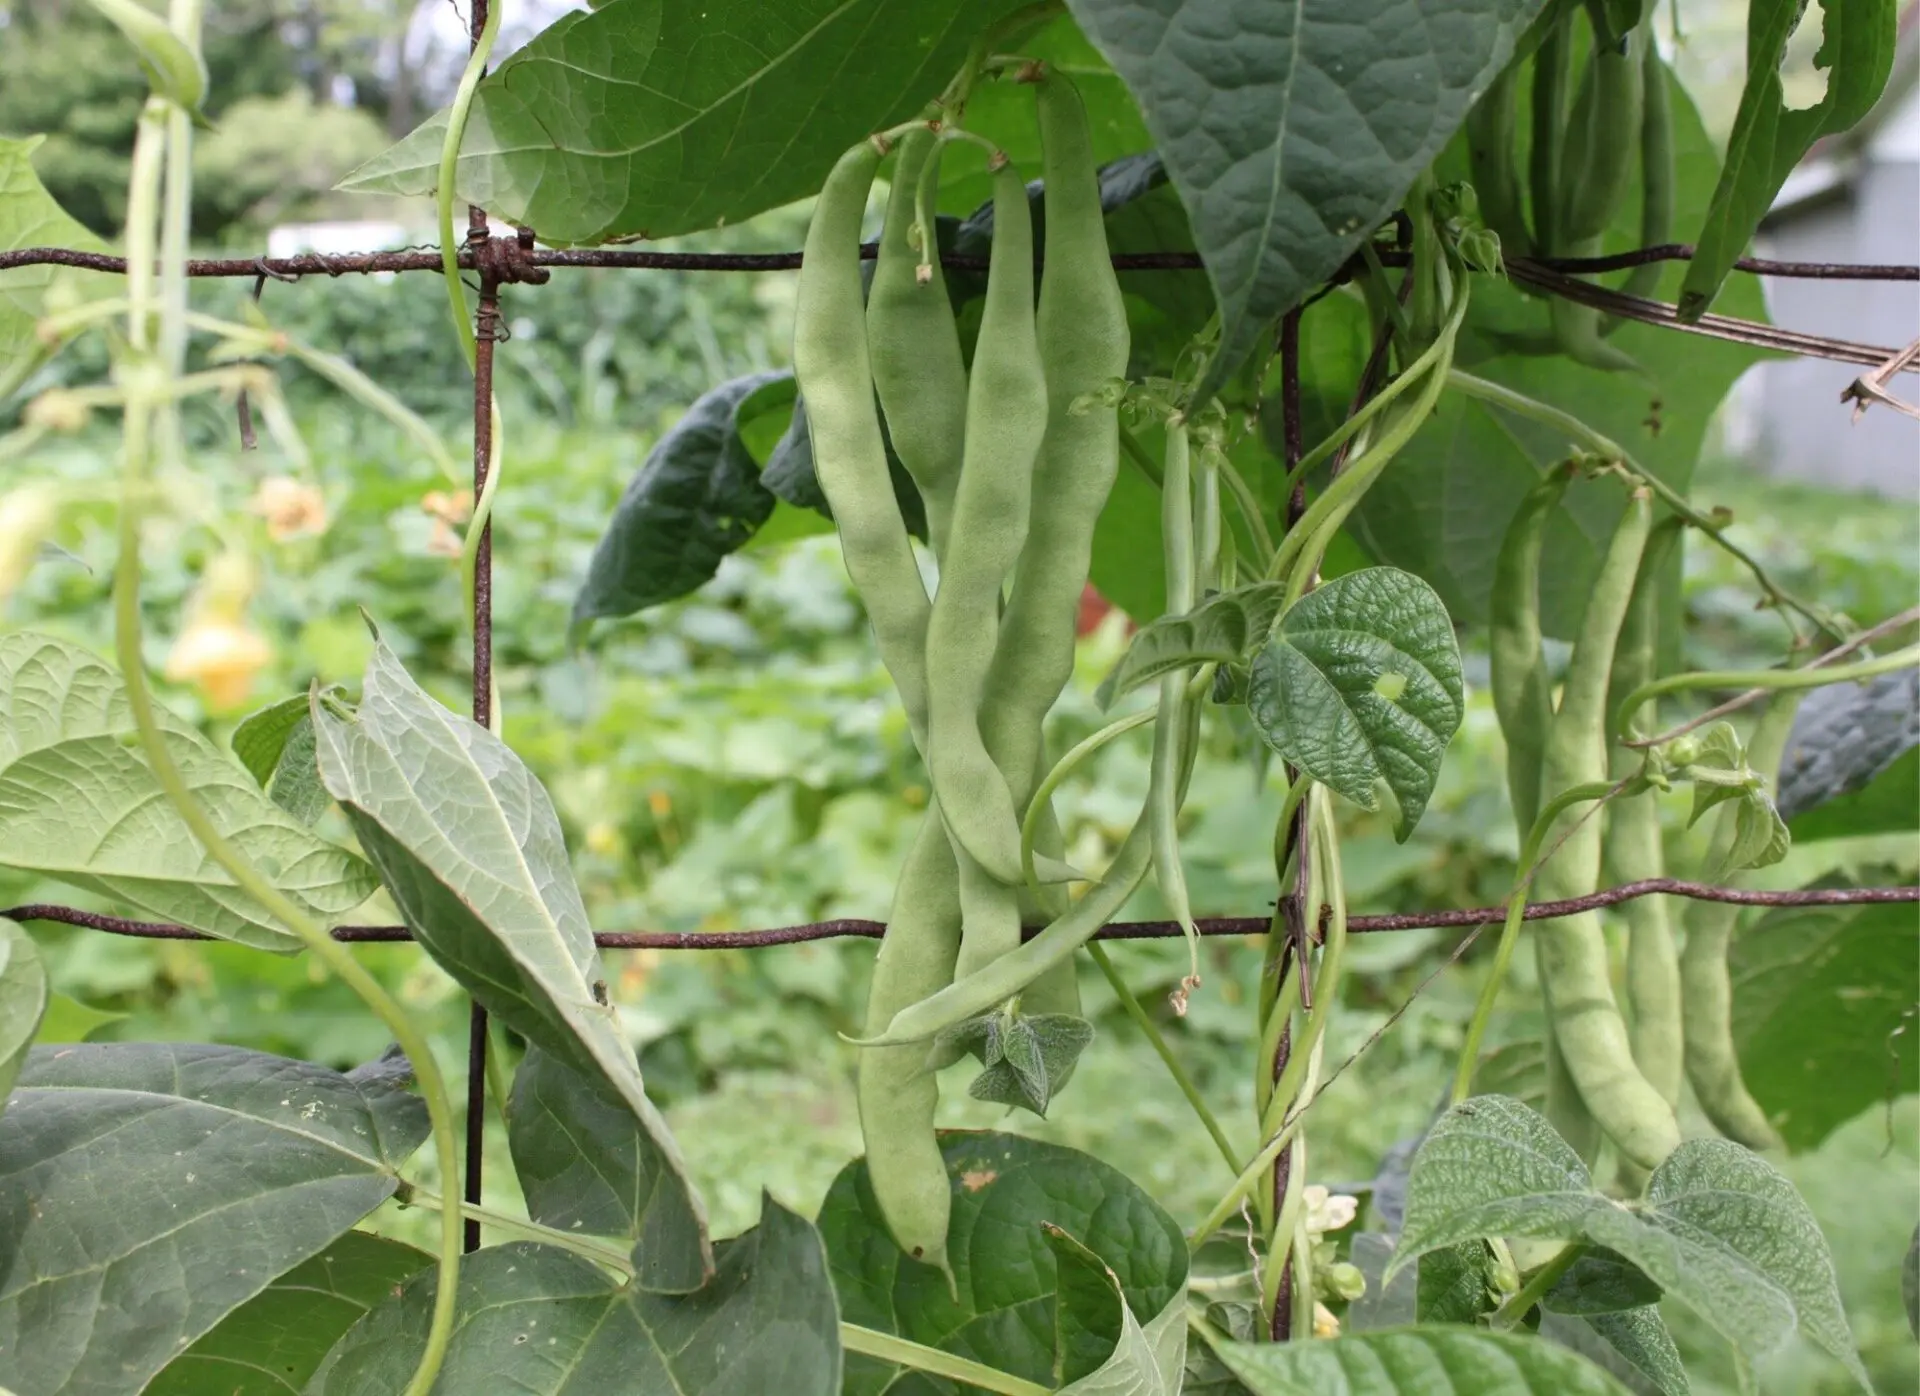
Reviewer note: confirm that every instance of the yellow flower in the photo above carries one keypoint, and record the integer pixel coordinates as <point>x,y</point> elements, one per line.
<point>291,509</point>
<point>603,838</point>
<point>220,658</point>
<point>1325,1325</point>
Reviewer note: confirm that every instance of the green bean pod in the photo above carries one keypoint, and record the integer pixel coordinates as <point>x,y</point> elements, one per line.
<point>1006,419</point>
<point>832,368</point>
<point>1578,329</point>
<point>1170,721</point>
<point>1656,175</point>
<point>1057,990</point>
<point>1596,162</point>
<point>1492,138</point>
<point>1552,66</point>
<point>915,347</point>
<point>1713,1067</point>
<point>1633,846</point>
<point>1572,950</point>
<point>896,1089</point>
<point>1522,690</point>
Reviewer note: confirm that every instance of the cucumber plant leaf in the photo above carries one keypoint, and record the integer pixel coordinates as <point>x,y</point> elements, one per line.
<point>271,1344</point>
<point>1362,685</point>
<point>79,803</point>
<point>149,1189</point>
<point>765,1322</point>
<point>1293,131</point>
<point>470,849</point>
<point>1220,630</point>
<point>1437,1360</point>
<point>1005,1307</point>
<point>1769,138</point>
<point>647,120</point>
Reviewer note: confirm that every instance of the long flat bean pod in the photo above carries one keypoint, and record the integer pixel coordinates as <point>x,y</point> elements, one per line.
<point>1596,162</point>
<point>1006,419</point>
<point>1522,690</point>
<point>1633,847</point>
<point>915,348</point>
<point>1170,725</point>
<point>1572,950</point>
<point>832,368</point>
<point>896,1090</point>
<point>1491,140</point>
<point>1656,173</point>
<point>1713,1068</point>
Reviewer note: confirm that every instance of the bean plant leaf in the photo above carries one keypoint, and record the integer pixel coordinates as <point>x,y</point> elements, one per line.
<point>1760,837</point>
<point>1823,1012</point>
<point>1850,765</point>
<point>1443,508</point>
<point>1452,1285</point>
<point>1293,131</point>
<point>79,803</point>
<point>1910,1283</point>
<point>262,736</point>
<point>271,1344</point>
<point>470,849</point>
<point>1601,1282</point>
<point>1004,1309</point>
<point>69,1020</point>
<point>1719,1228</point>
<point>23,1000</point>
<point>585,1161</point>
<point>788,473</point>
<point>1363,685</point>
<point>1441,1360</point>
<point>1634,1345</point>
<point>649,120</point>
<point>1769,138</point>
<point>1097,1325</point>
<point>275,744</point>
<point>149,1189</point>
<point>1029,1061</point>
<point>540,1321</point>
<point>1222,629</point>
<point>697,498</point>
<point>29,217</point>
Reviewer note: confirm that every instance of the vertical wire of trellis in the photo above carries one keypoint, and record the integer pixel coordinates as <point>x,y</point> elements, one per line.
<point>486,331</point>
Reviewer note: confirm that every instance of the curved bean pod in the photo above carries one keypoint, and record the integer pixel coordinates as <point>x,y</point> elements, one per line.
<point>1572,951</point>
<point>1522,696</point>
<point>1491,142</point>
<point>1713,1067</point>
<point>1596,164</point>
<point>1170,726</point>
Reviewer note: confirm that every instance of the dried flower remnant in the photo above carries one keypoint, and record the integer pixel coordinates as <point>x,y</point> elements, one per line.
<point>292,509</point>
<point>448,512</point>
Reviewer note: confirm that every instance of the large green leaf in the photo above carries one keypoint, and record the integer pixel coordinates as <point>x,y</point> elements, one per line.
<point>586,1163</point>
<point>23,1000</point>
<point>1719,1229</point>
<point>271,1344</point>
<point>29,217</point>
<point>1633,1344</point>
<point>1444,505</point>
<point>1769,138</point>
<point>697,498</point>
<point>69,1020</point>
<point>1292,131</point>
<point>1852,765</point>
<point>539,1321</point>
<point>1097,1325</point>
<point>1823,1012</point>
<point>1011,1308</point>
<point>1220,630</point>
<point>650,120</point>
<point>1423,1361</point>
<point>1362,685</point>
<point>148,1189</point>
<point>470,849</point>
<point>79,804</point>
<point>276,746</point>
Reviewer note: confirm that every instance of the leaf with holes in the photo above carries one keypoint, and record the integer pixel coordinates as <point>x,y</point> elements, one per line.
<point>1362,685</point>
<point>1441,1360</point>
<point>539,1321</point>
<point>470,849</point>
<point>23,1000</point>
<point>1823,1016</point>
<point>1220,630</point>
<point>271,1344</point>
<point>1769,138</point>
<point>1293,131</point>
<point>149,1189</point>
<point>654,120</point>
<point>1006,1308</point>
<point>697,498</point>
<point>79,803</point>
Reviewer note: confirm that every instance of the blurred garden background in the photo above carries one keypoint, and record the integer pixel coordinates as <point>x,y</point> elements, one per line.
<point>736,759</point>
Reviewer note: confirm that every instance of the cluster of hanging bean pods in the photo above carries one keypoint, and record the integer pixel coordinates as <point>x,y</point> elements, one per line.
<point>1014,458</point>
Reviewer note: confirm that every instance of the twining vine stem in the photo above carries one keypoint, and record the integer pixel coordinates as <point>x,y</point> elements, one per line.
<point>856,929</point>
